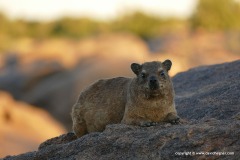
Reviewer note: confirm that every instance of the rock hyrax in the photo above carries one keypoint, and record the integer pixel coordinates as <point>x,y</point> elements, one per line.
<point>144,100</point>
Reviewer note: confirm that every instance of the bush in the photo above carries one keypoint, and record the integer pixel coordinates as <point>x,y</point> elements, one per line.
<point>216,15</point>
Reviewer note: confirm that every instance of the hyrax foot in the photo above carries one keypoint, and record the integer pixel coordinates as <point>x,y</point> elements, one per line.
<point>148,124</point>
<point>172,118</point>
<point>175,121</point>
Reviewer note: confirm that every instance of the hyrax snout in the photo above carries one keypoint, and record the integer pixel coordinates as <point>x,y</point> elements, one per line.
<point>143,100</point>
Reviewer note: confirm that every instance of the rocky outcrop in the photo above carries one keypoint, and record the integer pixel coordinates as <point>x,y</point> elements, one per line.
<point>207,99</point>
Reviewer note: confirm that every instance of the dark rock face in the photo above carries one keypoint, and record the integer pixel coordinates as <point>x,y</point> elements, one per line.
<point>207,98</point>
<point>208,92</point>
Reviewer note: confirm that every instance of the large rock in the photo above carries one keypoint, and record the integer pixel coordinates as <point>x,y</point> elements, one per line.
<point>23,127</point>
<point>208,101</point>
<point>209,92</point>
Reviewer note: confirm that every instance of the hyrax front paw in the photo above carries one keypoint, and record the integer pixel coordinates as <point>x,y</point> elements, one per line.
<point>148,124</point>
<point>172,118</point>
<point>175,121</point>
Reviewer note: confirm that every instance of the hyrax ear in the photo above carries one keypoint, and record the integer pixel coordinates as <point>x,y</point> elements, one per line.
<point>167,64</point>
<point>136,68</point>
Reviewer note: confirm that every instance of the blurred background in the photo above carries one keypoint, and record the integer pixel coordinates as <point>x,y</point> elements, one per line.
<point>51,50</point>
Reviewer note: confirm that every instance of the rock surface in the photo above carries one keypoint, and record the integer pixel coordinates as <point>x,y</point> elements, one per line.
<point>207,98</point>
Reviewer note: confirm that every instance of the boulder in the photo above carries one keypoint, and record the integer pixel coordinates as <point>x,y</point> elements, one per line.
<point>23,126</point>
<point>207,99</point>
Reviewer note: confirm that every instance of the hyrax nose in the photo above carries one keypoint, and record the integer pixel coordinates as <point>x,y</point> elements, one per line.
<point>153,79</point>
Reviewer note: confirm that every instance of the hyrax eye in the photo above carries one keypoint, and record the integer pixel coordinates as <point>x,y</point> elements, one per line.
<point>143,75</point>
<point>162,73</point>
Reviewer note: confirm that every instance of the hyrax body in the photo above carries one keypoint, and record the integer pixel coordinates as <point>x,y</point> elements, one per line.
<point>144,100</point>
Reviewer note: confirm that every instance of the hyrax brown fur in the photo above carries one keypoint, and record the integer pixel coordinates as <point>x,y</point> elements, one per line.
<point>144,100</point>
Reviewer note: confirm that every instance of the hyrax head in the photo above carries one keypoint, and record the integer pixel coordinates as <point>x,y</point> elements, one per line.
<point>152,77</point>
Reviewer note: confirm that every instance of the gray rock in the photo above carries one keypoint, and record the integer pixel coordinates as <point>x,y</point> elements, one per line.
<point>207,100</point>
<point>209,92</point>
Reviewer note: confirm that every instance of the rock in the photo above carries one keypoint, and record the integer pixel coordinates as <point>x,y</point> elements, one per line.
<point>208,101</point>
<point>65,138</point>
<point>208,92</point>
<point>23,126</point>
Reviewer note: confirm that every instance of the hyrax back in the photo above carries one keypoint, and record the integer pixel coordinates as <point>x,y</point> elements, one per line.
<point>144,100</point>
<point>100,104</point>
